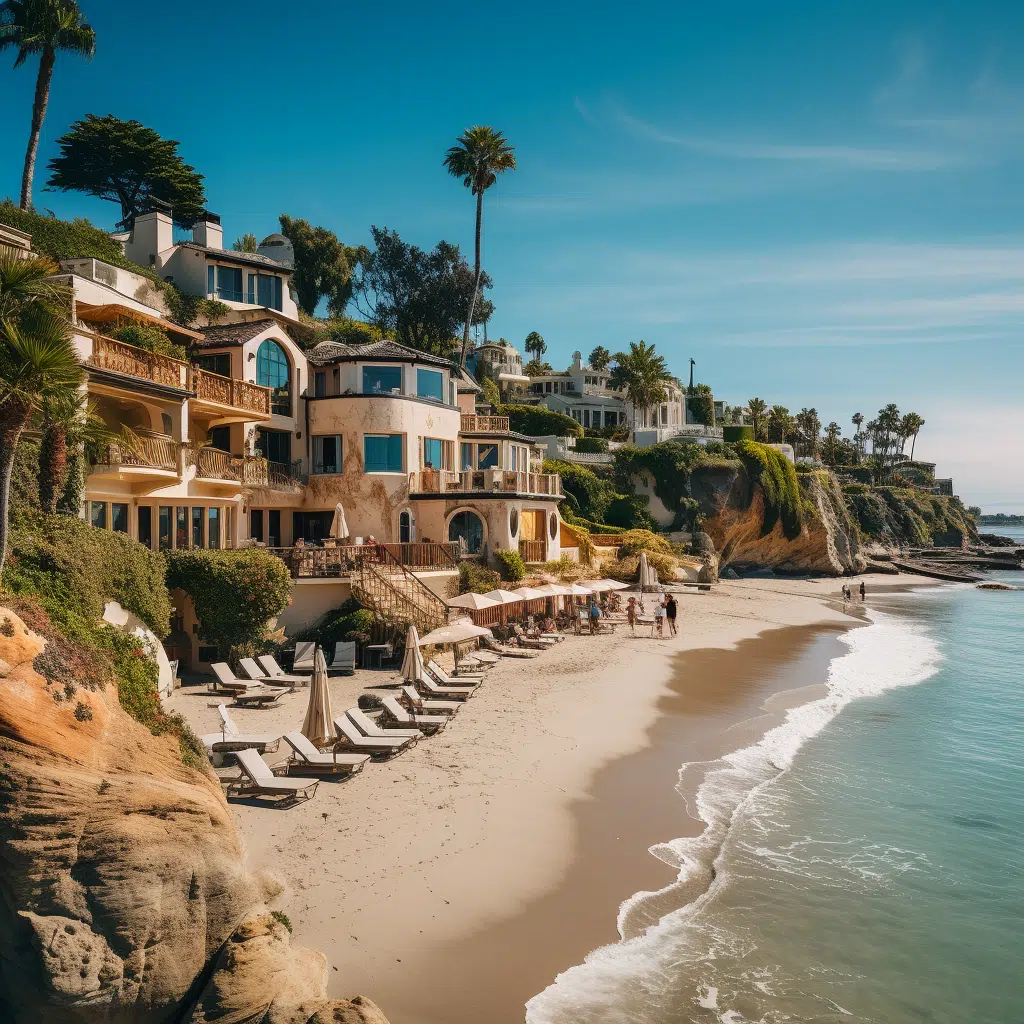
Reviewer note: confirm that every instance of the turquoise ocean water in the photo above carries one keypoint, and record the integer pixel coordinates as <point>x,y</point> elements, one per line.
<point>869,852</point>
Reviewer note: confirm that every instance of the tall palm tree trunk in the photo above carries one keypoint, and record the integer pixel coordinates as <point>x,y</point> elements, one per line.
<point>53,465</point>
<point>476,276</point>
<point>39,104</point>
<point>14,417</point>
<point>913,444</point>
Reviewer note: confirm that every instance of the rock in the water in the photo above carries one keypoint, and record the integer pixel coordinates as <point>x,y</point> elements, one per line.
<point>995,586</point>
<point>123,875</point>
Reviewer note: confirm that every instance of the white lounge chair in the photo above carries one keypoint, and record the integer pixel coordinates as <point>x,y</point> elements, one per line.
<point>507,652</point>
<point>532,641</point>
<point>368,727</point>
<point>350,736</point>
<point>344,661</point>
<point>394,712</point>
<point>252,671</point>
<point>304,652</point>
<point>277,674</point>
<point>420,704</point>
<point>442,678</point>
<point>224,679</point>
<point>245,693</point>
<point>429,688</point>
<point>305,757</point>
<point>258,779</point>
<point>230,738</point>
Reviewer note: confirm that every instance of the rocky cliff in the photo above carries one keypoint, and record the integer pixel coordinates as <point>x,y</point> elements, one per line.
<point>123,891</point>
<point>824,540</point>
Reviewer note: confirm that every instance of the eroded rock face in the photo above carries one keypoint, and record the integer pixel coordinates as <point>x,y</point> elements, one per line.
<point>123,892</point>
<point>734,507</point>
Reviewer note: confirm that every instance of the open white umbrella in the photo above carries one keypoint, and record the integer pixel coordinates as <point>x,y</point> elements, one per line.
<point>615,585</point>
<point>454,633</point>
<point>554,590</point>
<point>529,593</point>
<point>412,663</point>
<point>475,602</point>
<point>318,725</point>
<point>596,586</point>
<point>504,596</point>
<point>339,525</point>
<point>577,591</point>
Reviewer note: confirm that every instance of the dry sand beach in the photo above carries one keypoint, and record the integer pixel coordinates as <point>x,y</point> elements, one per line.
<point>457,880</point>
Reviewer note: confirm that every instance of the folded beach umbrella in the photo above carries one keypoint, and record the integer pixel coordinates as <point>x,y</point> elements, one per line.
<point>412,663</point>
<point>318,725</point>
<point>644,572</point>
<point>339,525</point>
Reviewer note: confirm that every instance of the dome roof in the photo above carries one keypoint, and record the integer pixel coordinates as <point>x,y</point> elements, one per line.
<point>276,239</point>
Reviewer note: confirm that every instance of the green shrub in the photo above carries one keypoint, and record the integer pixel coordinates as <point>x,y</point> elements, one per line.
<point>25,481</point>
<point>150,338</point>
<point>65,240</point>
<point>582,522</point>
<point>629,512</point>
<point>566,569</point>
<point>476,578</point>
<point>537,421</point>
<point>510,565</point>
<point>350,621</point>
<point>235,593</point>
<point>282,918</point>
<point>591,445</point>
<point>737,432</point>
<point>587,494</point>
<point>777,478</point>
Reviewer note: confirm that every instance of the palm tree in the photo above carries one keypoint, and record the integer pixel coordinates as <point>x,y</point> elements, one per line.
<point>756,409</point>
<point>809,425</point>
<point>858,439</point>
<point>43,27</point>
<point>642,374</point>
<point>599,358</point>
<point>478,157</point>
<point>832,434</point>
<point>535,345</point>
<point>910,427</point>
<point>779,423</point>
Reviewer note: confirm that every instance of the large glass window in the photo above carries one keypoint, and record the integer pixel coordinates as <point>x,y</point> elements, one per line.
<point>311,526</point>
<point>272,372</point>
<point>181,528</point>
<point>319,384</point>
<point>434,454</point>
<point>430,384</point>
<point>382,380</point>
<point>165,527</point>
<point>382,453</point>
<point>229,284</point>
<point>256,524</point>
<point>220,438</point>
<point>219,362</point>
<point>274,445</point>
<point>487,456</point>
<point>119,516</point>
<point>274,527</point>
<point>197,527</point>
<point>466,530</point>
<point>146,526</point>
<point>269,291</point>
<point>98,514</point>
<point>213,532</point>
<point>465,456</point>
<point>327,453</point>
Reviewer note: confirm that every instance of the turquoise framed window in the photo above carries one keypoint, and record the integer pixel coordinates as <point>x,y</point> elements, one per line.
<point>382,380</point>
<point>433,453</point>
<point>272,371</point>
<point>430,384</point>
<point>382,453</point>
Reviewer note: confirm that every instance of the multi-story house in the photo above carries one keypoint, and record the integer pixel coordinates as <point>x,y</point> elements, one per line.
<point>505,363</point>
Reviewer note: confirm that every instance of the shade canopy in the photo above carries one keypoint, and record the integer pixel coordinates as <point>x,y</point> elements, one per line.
<point>455,633</point>
<point>318,725</point>
<point>596,586</point>
<point>611,584</point>
<point>339,526</point>
<point>412,663</point>
<point>577,591</point>
<point>554,590</point>
<point>474,601</point>
<point>529,593</point>
<point>504,596</point>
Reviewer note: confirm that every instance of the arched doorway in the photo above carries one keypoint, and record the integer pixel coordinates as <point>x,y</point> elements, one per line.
<point>467,530</point>
<point>406,527</point>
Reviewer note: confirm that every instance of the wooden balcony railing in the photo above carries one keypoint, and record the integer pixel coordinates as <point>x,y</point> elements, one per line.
<point>239,394</point>
<point>485,481</point>
<point>116,356</point>
<point>145,452</point>
<point>531,550</point>
<point>477,424</point>
<point>308,562</point>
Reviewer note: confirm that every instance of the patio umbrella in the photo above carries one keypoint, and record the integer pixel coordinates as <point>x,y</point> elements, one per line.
<point>475,602</point>
<point>577,591</point>
<point>529,593</point>
<point>412,663</point>
<point>554,590</point>
<point>503,597</point>
<point>318,725</point>
<point>339,525</point>
<point>615,585</point>
<point>454,633</point>
<point>596,586</point>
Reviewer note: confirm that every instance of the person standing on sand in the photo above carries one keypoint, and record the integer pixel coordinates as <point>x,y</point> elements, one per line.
<point>631,615</point>
<point>659,620</point>
<point>863,591</point>
<point>671,608</point>
<point>595,615</point>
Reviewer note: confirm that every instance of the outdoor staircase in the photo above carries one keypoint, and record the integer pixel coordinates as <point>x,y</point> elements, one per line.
<point>396,596</point>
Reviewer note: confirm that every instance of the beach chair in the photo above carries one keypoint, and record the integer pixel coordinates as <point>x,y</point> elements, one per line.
<point>486,658</point>
<point>230,739</point>
<point>424,705</point>
<point>429,688</point>
<point>394,712</point>
<point>368,727</point>
<point>245,693</point>
<point>225,681</point>
<point>376,746</point>
<point>535,644</point>
<point>303,661</point>
<point>258,780</point>
<point>441,677</point>
<point>344,661</point>
<point>305,757</point>
<point>275,673</point>
<point>253,671</point>
<point>507,652</point>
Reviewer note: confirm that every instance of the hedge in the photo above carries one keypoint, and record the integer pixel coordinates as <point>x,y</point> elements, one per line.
<point>537,422</point>
<point>66,240</point>
<point>737,432</point>
<point>776,476</point>
<point>510,565</point>
<point>591,445</point>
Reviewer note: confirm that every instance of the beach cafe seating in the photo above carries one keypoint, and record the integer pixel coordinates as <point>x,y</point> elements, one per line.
<point>230,739</point>
<point>394,712</point>
<point>246,694</point>
<point>442,677</point>
<point>344,661</point>
<point>305,757</point>
<point>368,727</point>
<point>420,704</point>
<point>376,746</point>
<point>429,688</point>
<point>274,672</point>
<point>303,661</point>
<point>258,780</point>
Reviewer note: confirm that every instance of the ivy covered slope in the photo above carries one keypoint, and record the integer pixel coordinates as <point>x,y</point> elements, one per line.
<point>890,517</point>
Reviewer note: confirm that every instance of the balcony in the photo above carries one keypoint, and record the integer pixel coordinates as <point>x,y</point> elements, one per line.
<point>227,399</point>
<point>276,476</point>
<point>485,424</point>
<point>340,560</point>
<point>117,357</point>
<point>218,468</point>
<point>148,458</point>
<point>485,481</point>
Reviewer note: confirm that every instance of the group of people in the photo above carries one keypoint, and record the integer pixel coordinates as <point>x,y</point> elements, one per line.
<point>848,592</point>
<point>666,608</point>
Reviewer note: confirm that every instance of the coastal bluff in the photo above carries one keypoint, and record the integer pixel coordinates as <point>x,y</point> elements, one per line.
<point>124,895</point>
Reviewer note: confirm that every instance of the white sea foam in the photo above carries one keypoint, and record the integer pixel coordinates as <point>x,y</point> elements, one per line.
<point>616,983</point>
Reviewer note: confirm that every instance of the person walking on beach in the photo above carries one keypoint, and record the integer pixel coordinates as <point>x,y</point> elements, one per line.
<point>863,591</point>
<point>631,615</point>
<point>659,620</point>
<point>671,608</point>
<point>595,615</point>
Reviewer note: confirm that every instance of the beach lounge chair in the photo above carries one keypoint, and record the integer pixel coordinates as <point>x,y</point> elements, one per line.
<point>259,780</point>
<point>424,705</point>
<point>376,746</point>
<point>507,652</point>
<point>303,661</point>
<point>394,712</point>
<point>486,658</point>
<point>442,677</point>
<point>368,727</point>
<point>253,671</point>
<point>429,688</point>
<point>275,673</point>
<point>225,681</point>
<point>305,757</point>
<point>230,739</point>
<point>246,693</point>
<point>535,644</point>
<point>344,661</point>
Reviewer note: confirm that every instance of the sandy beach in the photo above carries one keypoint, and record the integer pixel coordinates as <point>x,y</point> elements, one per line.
<point>459,879</point>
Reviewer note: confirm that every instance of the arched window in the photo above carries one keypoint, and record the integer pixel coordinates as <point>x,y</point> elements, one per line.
<point>272,372</point>
<point>513,523</point>
<point>466,530</point>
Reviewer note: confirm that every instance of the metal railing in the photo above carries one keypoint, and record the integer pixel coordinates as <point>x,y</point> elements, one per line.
<point>476,424</point>
<point>531,550</point>
<point>213,464</point>
<point>239,394</point>
<point>116,356</point>
<point>335,560</point>
<point>481,481</point>
<point>261,472</point>
<point>145,452</point>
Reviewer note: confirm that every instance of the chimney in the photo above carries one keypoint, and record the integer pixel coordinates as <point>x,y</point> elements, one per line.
<point>152,234</point>
<point>207,231</point>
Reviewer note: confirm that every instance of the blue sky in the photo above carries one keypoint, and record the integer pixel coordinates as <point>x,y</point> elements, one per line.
<point>820,203</point>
